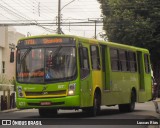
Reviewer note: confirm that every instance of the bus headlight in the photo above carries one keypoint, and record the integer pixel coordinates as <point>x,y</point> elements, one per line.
<point>20,92</point>
<point>71,89</point>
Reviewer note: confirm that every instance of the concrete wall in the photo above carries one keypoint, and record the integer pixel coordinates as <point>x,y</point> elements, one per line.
<point>9,36</point>
<point>1,49</point>
<point>2,44</point>
<point>2,36</point>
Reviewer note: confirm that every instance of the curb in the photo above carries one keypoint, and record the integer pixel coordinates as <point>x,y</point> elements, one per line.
<point>157,105</point>
<point>9,110</point>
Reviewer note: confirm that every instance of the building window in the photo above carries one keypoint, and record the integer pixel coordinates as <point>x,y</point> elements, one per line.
<point>3,66</point>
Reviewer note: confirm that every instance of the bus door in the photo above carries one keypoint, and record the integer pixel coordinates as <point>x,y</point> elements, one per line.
<point>105,68</point>
<point>85,78</point>
<point>144,93</point>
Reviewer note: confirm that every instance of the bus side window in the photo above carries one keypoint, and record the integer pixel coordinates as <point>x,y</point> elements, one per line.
<point>123,60</point>
<point>132,61</point>
<point>115,65</point>
<point>95,59</point>
<point>147,65</point>
<point>84,62</point>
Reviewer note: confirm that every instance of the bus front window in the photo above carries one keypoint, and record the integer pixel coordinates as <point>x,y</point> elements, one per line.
<point>60,64</point>
<point>30,65</point>
<point>41,65</point>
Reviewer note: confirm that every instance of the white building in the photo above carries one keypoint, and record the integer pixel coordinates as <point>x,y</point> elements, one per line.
<point>8,35</point>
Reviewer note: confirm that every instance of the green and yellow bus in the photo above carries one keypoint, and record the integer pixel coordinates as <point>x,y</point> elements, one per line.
<point>69,72</point>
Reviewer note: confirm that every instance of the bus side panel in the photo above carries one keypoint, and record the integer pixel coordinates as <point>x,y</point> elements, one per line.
<point>122,83</point>
<point>108,96</point>
<point>86,98</point>
<point>144,93</point>
<point>96,80</point>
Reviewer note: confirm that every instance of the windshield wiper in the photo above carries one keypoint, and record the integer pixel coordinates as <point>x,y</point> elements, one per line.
<point>24,55</point>
<point>57,51</point>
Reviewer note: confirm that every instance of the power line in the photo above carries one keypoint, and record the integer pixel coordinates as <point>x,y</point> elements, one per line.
<point>29,13</point>
<point>89,23</point>
<point>10,11</point>
<point>15,12</point>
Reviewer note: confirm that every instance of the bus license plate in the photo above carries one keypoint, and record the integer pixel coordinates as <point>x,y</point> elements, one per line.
<point>45,103</point>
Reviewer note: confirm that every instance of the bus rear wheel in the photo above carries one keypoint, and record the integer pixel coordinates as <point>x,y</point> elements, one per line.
<point>43,112</point>
<point>128,107</point>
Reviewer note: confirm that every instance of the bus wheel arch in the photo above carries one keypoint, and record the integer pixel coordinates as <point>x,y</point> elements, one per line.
<point>97,92</point>
<point>129,107</point>
<point>135,93</point>
<point>96,102</point>
<point>95,108</point>
<point>132,100</point>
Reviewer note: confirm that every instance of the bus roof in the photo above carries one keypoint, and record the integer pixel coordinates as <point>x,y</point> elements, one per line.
<point>92,41</point>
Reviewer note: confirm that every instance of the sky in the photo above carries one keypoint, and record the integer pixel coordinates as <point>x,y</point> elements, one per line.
<point>46,11</point>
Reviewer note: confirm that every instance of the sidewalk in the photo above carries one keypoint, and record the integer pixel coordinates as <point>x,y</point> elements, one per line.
<point>157,105</point>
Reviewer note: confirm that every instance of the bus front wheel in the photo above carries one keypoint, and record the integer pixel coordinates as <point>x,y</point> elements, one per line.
<point>96,105</point>
<point>130,106</point>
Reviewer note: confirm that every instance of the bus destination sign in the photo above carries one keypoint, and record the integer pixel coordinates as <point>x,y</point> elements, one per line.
<point>45,41</point>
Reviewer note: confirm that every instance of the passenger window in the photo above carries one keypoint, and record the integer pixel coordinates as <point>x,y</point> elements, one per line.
<point>132,61</point>
<point>95,57</point>
<point>84,62</point>
<point>147,65</point>
<point>114,59</point>
<point>123,60</point>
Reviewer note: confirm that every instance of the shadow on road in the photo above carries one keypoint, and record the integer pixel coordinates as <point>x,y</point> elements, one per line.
<point>105,113</point>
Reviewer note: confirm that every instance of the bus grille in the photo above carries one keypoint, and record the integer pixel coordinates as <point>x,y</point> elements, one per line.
<point>47,93</point>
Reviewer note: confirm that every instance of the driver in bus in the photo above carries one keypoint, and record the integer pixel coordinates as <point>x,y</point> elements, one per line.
<point>49,73</point>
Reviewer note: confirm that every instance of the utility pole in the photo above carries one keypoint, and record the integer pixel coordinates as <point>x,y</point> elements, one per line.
<point>95,31</point>
<point>59,17</point>
<point>59,31</point>
<point>95,28</point>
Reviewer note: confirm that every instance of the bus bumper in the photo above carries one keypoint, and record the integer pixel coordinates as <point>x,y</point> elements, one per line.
<point>63,102</point>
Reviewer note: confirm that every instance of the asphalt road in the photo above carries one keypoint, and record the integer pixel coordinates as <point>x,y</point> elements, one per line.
<point>109,117</point>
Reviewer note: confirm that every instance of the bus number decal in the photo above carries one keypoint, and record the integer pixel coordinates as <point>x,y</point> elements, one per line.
<point>60,86</point>
<point>30,42</point>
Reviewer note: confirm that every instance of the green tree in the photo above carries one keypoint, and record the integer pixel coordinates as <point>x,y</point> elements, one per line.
<point>134,22</point>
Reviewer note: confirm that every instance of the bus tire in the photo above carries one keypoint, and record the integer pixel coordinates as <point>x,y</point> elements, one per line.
<point>95,109</point>
<point>128,107</point>
<point>47,112</point>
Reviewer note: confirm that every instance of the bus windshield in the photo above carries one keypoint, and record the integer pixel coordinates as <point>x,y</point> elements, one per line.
<point>39,65</point>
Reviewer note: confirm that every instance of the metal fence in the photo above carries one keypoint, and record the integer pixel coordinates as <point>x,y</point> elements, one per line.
<point>7,96</point>
<point>7,101</point>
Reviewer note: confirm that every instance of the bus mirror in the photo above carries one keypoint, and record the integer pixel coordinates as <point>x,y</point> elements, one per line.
<point>18,57</point>
<point>11,57</point>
